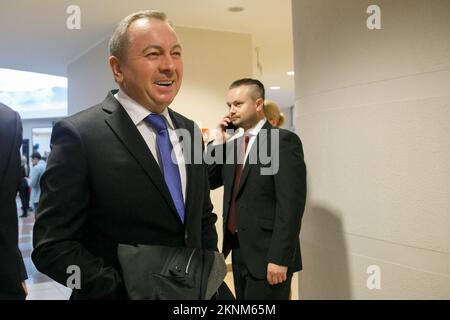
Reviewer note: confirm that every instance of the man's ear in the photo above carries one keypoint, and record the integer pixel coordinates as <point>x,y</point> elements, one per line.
<point>115,65</point>
<point>259,104</point>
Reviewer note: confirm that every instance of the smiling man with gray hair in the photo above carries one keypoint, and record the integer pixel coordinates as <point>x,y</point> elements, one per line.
<point>109,178</point>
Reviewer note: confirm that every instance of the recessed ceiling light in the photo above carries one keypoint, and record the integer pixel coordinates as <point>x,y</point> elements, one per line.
<point>236,9</point>
<point>275,88</point>
<point>290,73</point>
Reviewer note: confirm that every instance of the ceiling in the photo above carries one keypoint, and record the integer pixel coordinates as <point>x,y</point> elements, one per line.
<point>35,38</point>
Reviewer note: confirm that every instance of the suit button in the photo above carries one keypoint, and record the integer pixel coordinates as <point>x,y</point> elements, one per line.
<point>185,236</point>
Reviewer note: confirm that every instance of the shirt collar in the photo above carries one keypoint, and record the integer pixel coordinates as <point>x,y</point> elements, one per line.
<point>136,111</point>
<point>256,129</point>
<point>253,132</point>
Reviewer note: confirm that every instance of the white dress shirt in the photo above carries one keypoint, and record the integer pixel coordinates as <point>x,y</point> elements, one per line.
<point>137,114</point>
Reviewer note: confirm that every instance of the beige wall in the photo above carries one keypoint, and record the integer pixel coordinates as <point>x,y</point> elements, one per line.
<point>89,78</point>
<point>212,60</point>
<point>373,111</point>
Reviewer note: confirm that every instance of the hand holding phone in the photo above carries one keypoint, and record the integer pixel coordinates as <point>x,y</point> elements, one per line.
<point>225,125</point>
<point>231,126</point>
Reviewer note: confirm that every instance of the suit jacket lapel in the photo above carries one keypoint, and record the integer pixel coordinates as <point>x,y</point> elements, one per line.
<point>261,140</point>
<point>124,128</point>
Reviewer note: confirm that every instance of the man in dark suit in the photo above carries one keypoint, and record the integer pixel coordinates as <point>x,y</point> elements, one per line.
<point>264,196</point>
<point>108,179</point>
<point>12,269</point>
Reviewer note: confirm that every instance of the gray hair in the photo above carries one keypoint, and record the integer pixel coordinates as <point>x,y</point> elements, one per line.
<point>119,41</point>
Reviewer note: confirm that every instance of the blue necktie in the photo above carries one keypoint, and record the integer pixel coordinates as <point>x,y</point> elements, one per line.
<point>169,168</point>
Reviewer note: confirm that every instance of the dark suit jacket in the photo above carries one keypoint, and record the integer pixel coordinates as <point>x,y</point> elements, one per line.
<point>269,208</point>
<point>12,269</point>
<point>103,187</point>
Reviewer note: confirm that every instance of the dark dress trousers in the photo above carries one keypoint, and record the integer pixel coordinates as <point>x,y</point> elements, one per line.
<point>12,269</point>
<point>103,187</point>
<point>269,208</point>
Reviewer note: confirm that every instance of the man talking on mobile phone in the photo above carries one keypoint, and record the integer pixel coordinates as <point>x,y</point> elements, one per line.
<point>262,211</point>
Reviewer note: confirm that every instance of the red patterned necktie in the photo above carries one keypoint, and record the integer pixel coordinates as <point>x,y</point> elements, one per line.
<point>231,223</point>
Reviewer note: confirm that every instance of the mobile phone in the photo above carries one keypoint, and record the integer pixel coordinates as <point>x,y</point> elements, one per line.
<point>231,126</point>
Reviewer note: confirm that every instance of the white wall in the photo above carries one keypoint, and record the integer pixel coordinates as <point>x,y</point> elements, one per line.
<point>373,111</point>
<point>288,122</point>
<point>212,60</point>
